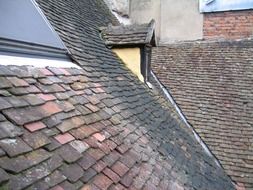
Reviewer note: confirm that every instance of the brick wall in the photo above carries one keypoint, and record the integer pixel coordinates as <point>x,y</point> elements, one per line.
<point>228,25</point>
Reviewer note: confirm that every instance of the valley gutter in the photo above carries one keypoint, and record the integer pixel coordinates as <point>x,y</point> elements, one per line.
<point>178,110</point>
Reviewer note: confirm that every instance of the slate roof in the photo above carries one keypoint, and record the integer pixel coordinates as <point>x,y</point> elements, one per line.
<point>93,128</point>
<point>212,84</point>
<point>135,34</point>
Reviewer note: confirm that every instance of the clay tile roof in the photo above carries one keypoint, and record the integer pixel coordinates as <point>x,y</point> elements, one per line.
<point>212,84</point>
<point>96,127</point>
<point>135,34</point>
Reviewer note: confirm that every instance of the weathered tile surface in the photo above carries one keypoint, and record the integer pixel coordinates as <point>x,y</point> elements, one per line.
<point>212,84</point>
<point>102,128</point>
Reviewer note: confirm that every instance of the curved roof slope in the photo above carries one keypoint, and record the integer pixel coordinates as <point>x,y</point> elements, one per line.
<point>213,85</point>
<point>93,128</point>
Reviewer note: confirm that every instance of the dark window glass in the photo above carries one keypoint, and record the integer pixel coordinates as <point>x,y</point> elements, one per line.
<point>22,20</point>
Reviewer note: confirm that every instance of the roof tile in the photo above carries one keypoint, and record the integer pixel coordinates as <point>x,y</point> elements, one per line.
<point>35,126</point>
<point>46,72</point>
<point>141,112</point>
<point>86,161</point>
<point>17,82</point>
<point>209,81</point>
<point>51,108</point>
<point>34,100</point>
<point>7,129</point>
<point>120,168</point>
<point>80,146</point>
<point>102,182</point>
<point>14,147</point>
<point>113,176</point>
<point>3,176</point>
<point>47,97</point>
<point>4,104</point>
<point>64,138</point>
<point>99,166</point>
<point>5,83</point>
<point>58,187</point>
<point>89,174</point>
<point>96,153</point>
<point>23,162</point>
<point>69,124</point>
<point>26,115</point>
<point>51,88</point>
<point>54,178</point>
<point>69,154</point>
<point>36,140</point>
<point>99,137</point>
<point>73,172</point>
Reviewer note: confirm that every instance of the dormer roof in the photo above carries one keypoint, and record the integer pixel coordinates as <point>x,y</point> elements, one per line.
<point>129,35</point>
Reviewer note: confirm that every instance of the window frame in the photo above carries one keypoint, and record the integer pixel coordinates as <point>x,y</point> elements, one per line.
<point>30,49</point>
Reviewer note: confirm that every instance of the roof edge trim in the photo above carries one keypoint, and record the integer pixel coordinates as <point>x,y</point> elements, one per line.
<point>151,32</point>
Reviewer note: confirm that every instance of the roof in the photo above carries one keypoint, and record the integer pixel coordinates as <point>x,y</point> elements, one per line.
<point>212,84</point>
<point>93,128</point>
<point>126,35</point>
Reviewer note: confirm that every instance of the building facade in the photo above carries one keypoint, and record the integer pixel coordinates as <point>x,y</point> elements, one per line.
<point>187,20</point>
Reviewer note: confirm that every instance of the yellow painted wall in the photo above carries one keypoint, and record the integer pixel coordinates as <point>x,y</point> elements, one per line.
<point>132,58</point>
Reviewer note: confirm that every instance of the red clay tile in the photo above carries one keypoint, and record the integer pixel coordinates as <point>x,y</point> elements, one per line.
<point>118,187</point>
<point>99,137</point>
<point>17,82</point>
<point>120,168</point>
<point>99,166</point>
<point>51,108</point>
<point>35,126</point>
<point>144,139</point>
<point>122,148</point>
<point>64,138</point>
<point>127,180</point>
<point>46,72</point>
<point>47,97</point>
<point>86,161</point>
<point>112,175</point>
<point>240,186</point>
<point>93,99</point>
<point>33,89</point>
<point>64,71</point>
<point>79,92</point>
<point>92,107</point>
<point>93,142</point>
<point>102,182</point>
<point>99,126</point>
<point>97,84</point>
<point>83,132</point>
<point>90,187</point>
<point>105,148</point>
<point>98,90</point>
<point>96,153</point>
<point>112,145</point>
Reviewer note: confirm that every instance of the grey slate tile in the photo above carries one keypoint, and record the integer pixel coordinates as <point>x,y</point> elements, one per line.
<point>14,147</point>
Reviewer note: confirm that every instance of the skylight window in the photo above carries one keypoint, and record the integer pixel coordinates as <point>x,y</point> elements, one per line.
<point>24,29</point>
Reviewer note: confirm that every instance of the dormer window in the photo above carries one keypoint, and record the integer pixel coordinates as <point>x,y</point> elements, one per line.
<point>133,45</point>
<point>25,31</point>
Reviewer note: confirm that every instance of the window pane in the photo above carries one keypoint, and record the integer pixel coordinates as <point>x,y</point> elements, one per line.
<point>21,20</point>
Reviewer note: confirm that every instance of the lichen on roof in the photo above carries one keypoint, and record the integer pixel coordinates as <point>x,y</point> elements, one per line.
<point>96,127</point>
<point>212,84</point>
